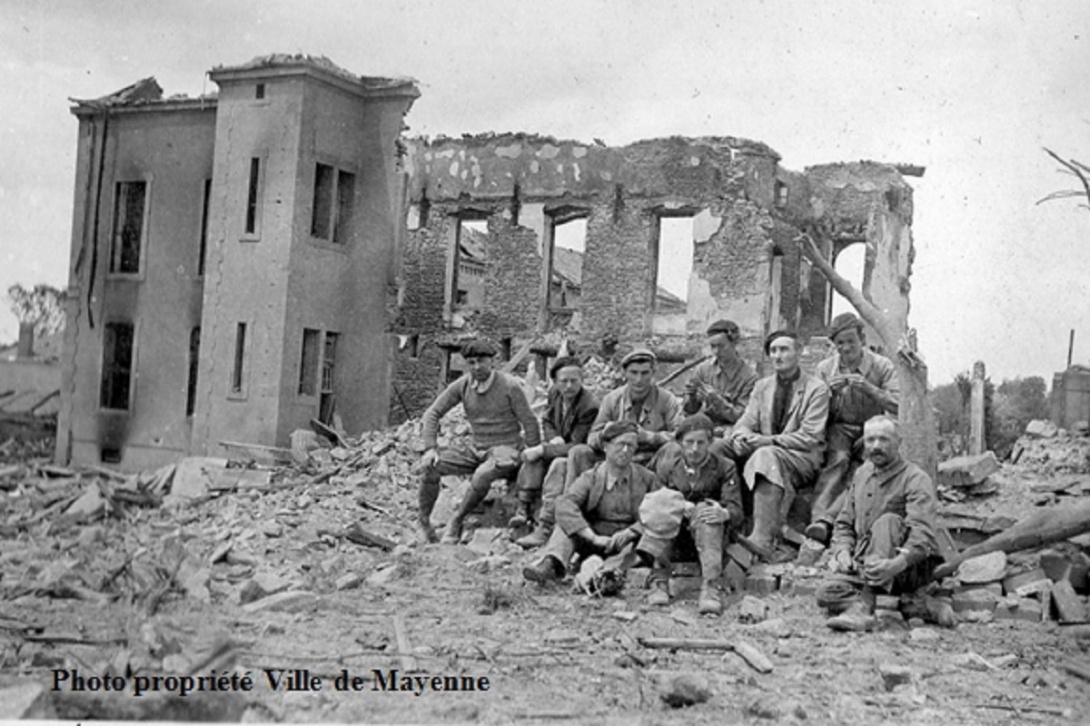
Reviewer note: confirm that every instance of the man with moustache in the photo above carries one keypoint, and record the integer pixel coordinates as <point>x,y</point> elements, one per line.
<point>501,421</point>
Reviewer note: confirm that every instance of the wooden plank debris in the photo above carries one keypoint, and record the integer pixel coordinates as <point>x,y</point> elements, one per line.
<point>748,652</point>
<point>404,647</point>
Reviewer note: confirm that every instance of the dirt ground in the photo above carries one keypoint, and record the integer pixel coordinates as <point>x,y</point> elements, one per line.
<point>185,590</point>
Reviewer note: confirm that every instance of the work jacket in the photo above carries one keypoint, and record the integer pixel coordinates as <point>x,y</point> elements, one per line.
<point>573,426</point>
<point>807,412</point>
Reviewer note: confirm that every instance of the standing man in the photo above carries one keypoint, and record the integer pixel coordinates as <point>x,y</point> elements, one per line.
<point>720,387</point>
<point>599,512</point>
<point>501,421</point>
<point>695,501</point>
<point>571,412</point>
<point>654,410</point>
<point>862,384</point>
<point>781,437</point>
<point>884,536</point>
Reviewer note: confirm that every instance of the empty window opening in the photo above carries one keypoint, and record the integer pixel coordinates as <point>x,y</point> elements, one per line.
<point>260,91</point>
<point>780,194</point>
<point>674,264</point>
<point>470,264</point>
<point>326,403</point>
<point>129,207</point>
<point>117,359</point>
<point>455,366</point>
<point>334,194</point>
<point>505,348</point>
<point>252,195</point>
<point>851,263</point>
<point>569,236</point>
<point>238,370</point>
<point>194,364</point>
<point>110,455</point>
<point>414,345</point>
<point>308,364</point>
<point>202,250</point>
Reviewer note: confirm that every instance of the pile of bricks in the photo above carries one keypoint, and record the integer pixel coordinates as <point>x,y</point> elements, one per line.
<point>1054,590</point>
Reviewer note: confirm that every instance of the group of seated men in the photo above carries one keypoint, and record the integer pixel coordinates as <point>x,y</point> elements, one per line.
<point>648,470</point>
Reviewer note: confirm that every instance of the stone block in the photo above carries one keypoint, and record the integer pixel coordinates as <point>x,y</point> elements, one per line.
<point>983,568</point>
<point>1041,429</point>
<point>1018,609</point>
<point>1067,605</point>
<point>752,610</point>
<point>1026,584</point>
<point>977,599</point>
<point>761,583</point>
<point>685,586</point>
<point>968,470</point>
<point>894,675</point>
<point>349,581</point>
<point>733,576</point>
<point>740,555</point>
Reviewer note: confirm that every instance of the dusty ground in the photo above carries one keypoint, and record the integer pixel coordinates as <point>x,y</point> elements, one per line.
<point>139,592</point>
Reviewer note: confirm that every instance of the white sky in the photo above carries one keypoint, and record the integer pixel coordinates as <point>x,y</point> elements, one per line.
<point>971,90</point>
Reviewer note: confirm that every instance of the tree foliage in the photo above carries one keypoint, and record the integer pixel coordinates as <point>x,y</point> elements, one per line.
<point>41,306</point>
<point>1008,408</point>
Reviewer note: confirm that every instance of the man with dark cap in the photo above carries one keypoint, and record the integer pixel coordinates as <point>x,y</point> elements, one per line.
<point>654,410</point>
<point>862,384</point>
<point>781,437</point>
<point>599,512</point>
<point>696,499</point>
<point>720,386</point>
<point>884,536</point>
<point>501,421</point>
<point>570,413</point>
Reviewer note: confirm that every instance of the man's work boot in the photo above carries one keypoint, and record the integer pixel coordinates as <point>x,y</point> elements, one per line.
<point>858,617</point>
<point>522,516</point>
<point>427,532</point>
<point>427,496</point>
<point>546,570</point>
<point>767,498</point>
<point>660,593</point>
<point>940,611</point>
<point>452,535</point>
<point>819,531</point>
<point>538,537</point>
<point>709,600</point>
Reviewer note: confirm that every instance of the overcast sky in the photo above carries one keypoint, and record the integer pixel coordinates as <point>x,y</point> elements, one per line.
<point>971,90</point>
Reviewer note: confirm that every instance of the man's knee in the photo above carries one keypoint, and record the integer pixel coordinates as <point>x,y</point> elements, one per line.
<point>888,525</point>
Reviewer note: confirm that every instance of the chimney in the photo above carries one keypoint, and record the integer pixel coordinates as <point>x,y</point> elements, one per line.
<point>25,348</point>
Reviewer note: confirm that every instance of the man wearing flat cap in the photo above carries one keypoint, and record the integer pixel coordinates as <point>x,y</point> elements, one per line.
<point>599,512</point>
<point>568,417</point>
<point>862,384</point>
<point>695,501</point>
<point>720,386</point>
<point>654,410</point>
<point>502,423</point>
<point>781,438</point>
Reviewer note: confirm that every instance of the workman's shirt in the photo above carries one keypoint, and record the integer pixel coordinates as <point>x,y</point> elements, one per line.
<point>588,502</point>
<point>716,478</point>
<point>734,384</point>
<point>660,413</point>
<point>903,489</point>
<point>850,404</point>
<point>500,415</point>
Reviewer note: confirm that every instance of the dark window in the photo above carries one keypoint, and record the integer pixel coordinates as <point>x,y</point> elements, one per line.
<point>194,363</point>
<point>329,360</point>
<point>781,194</point>
<point>331,211</point>
<point>128,227</point>
<point>240,359</point>
<point>251,195</point>
<point>117,347</point>
<point>260,91</point>
<point>203,249</point>
<point>308,365</point>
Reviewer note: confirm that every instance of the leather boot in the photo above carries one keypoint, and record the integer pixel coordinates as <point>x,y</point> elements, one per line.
<point>767,499</point>
<point>538,537</point>
<point>427,495</point>
<point>709,599</point>
<point>522,516</point>
<point>858,617</point>
<point>453,533</point>
<point>546,570</point>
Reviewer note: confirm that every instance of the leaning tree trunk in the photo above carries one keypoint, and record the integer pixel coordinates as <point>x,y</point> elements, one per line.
<point>914,412</point>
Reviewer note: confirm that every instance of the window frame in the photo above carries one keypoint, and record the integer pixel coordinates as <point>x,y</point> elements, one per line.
<point>145,224</point>
<point>259,201</point>
<point>133,362</point>
<point>338,170</point>
<point>241,362</point>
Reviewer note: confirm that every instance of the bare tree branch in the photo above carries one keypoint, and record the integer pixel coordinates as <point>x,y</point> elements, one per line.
<point>1075,168</point>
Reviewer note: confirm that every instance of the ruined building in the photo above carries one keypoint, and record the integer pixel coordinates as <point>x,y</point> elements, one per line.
<point>245,262</point>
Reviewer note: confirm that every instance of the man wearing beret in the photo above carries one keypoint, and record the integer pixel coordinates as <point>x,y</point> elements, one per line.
<point>781,437</point>
<point>599,512</point>
<point>720,386</point>
<point>571,412</point>
<point>654,410</point>
<point>696,499</point>
<point>501,421</point>
<point>862,384</point>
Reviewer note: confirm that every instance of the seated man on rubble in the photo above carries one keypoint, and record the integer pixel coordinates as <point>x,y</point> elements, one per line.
<point>568,417</point>
<point>720,387</point>
<point>884,536</point>
<point>862,384</point>
<point>697,489</point>
<point>654,410</point>
<point>501,421</point>
<point>599,512</point>
<point>780,437</point>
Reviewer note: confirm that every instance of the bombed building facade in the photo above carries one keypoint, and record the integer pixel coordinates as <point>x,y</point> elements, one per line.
<point>245,262</point>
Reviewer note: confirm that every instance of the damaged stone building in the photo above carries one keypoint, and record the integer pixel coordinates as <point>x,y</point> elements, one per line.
<point>245,262</point>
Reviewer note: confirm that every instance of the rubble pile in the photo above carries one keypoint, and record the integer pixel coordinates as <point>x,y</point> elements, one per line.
<point>1048,449</point>
<point>968,476</point>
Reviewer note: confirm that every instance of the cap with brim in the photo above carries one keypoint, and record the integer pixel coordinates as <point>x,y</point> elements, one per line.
<point>478,349</point>
<point>844,322</point>
<point>616,429</point>
<point>563,363</point>
<point>694,423</point>
<point>637,355</point>
<point>779,334</point>
<point>730,328</point>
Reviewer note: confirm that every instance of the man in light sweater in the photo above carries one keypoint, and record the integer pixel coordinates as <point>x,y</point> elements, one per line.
<point>502,424</point>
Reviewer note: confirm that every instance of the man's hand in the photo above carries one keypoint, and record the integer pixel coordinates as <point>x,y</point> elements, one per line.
<point>882,571</point>
<point>754,440</point>
<point>710,512</point>
<point>429,458</point>
<point>620,539</point>
<point>601,542</point>
<point>841,561</point>
<point>645,436</point>
<point>557,440</point>
<point>532,454</point>
<point>696,389</point>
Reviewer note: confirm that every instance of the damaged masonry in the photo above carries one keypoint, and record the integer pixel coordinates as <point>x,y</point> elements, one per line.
<point>270,284</point>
